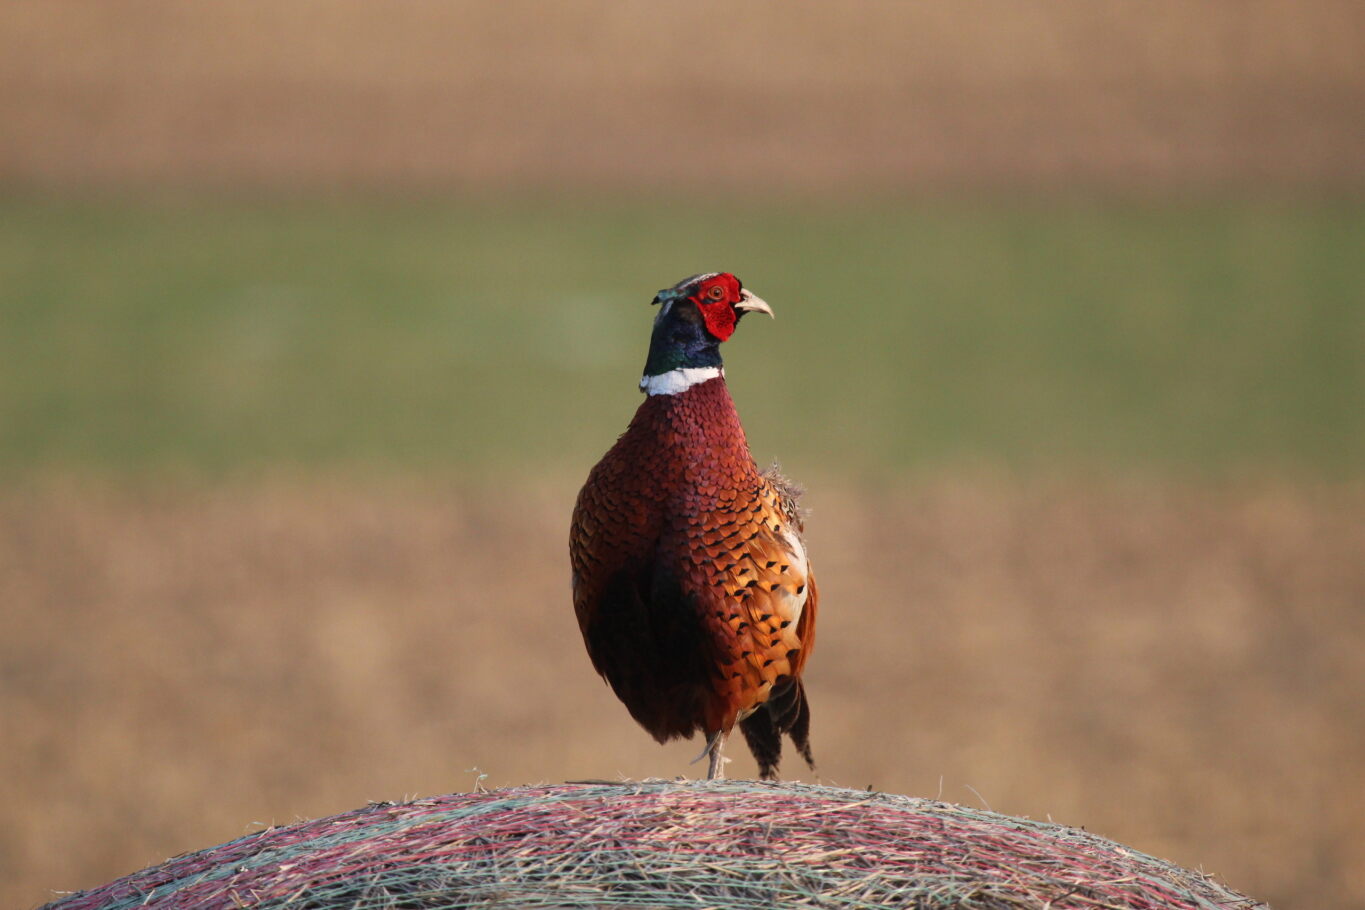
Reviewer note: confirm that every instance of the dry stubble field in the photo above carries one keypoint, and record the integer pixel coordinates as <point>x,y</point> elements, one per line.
<point>770,94</point>
<point>1172,666</point>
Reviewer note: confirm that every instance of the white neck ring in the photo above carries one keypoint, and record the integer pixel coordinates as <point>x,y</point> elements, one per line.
<point>679,380</point>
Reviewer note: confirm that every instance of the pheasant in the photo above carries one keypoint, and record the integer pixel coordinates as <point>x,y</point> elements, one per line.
<point>690,578</point>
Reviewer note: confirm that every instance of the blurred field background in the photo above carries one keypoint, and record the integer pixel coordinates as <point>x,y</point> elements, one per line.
<point>314,315</point>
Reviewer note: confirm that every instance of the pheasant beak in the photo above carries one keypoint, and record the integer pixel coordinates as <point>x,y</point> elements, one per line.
<point>751,302</point>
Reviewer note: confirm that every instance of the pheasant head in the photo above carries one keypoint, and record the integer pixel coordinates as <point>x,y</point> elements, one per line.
<point>695,316</point>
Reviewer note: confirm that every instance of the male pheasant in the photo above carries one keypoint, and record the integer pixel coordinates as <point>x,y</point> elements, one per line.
<point>690,578</point>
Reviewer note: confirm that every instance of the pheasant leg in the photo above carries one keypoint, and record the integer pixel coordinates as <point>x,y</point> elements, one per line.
<point>715,768</point>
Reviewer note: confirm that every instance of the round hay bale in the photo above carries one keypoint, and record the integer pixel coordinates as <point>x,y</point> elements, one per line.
<point>671,844</point>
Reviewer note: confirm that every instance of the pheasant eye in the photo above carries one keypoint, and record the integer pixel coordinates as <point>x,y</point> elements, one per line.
<point>716,292</point>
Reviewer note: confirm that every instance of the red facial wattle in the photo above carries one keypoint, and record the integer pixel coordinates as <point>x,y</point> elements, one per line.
<point>716,300</point>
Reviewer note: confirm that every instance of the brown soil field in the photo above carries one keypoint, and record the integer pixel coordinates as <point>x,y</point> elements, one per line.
<point>768,94</point>
<point>1177,667</point>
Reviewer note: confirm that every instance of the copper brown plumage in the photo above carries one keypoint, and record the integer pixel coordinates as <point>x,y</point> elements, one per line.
<point>690,578</point>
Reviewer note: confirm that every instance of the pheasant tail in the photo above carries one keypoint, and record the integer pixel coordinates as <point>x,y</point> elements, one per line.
<point>785,712</point>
